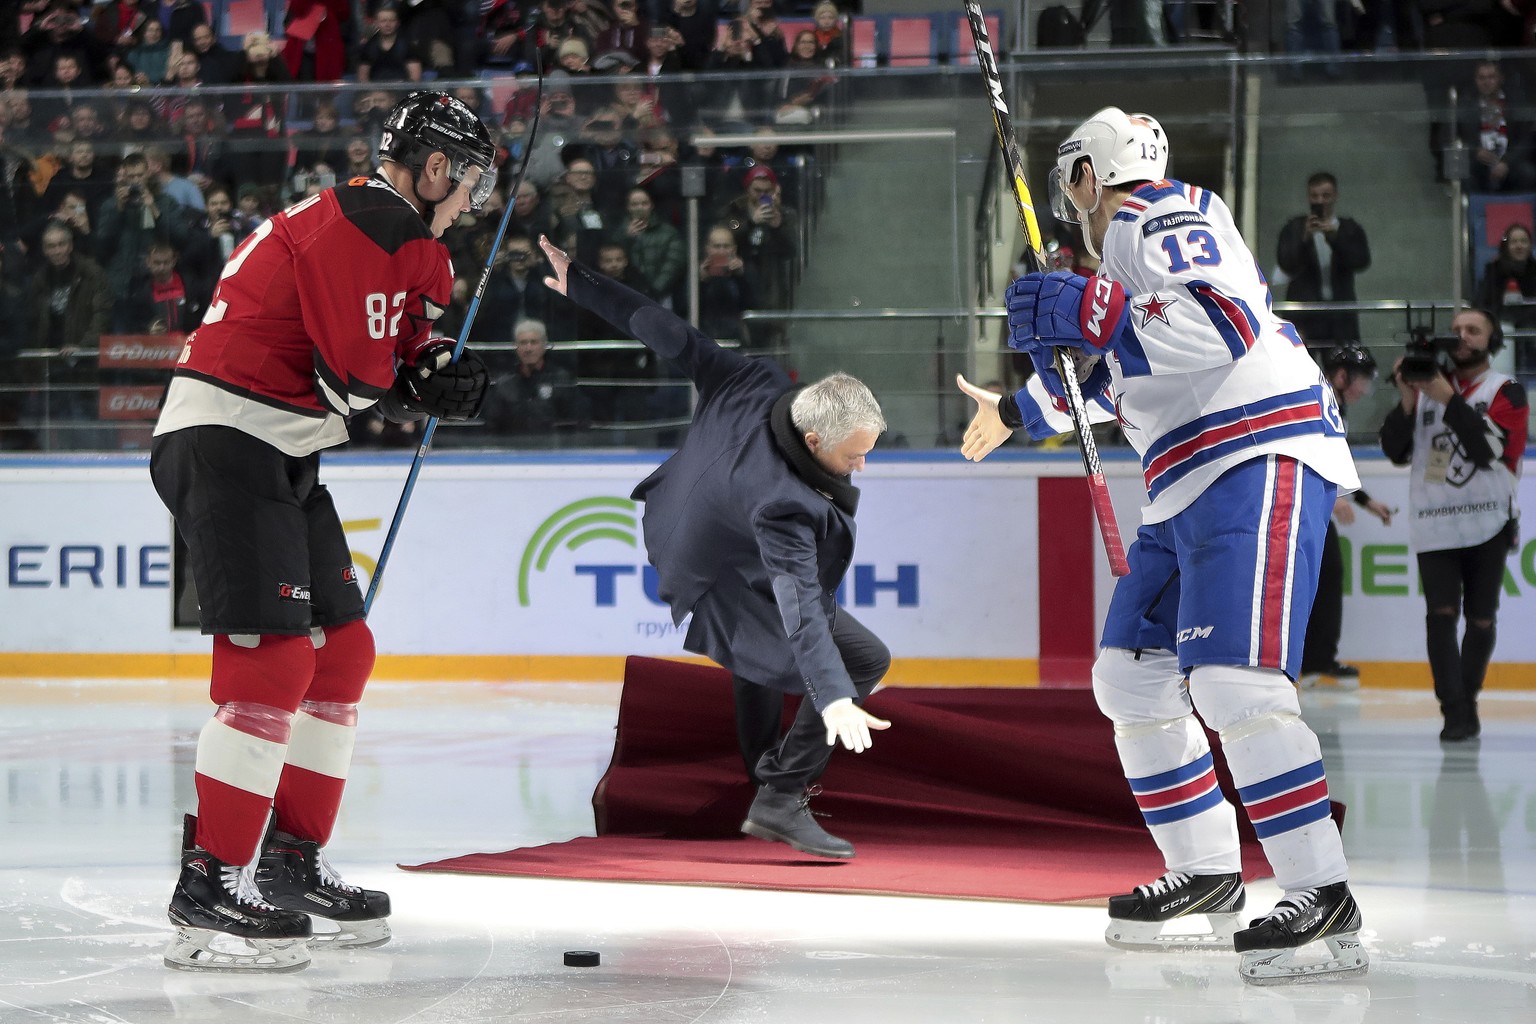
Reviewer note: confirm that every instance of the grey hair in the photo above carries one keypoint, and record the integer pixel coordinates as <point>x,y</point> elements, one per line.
<point>530,324</point>
<point>835,408</point>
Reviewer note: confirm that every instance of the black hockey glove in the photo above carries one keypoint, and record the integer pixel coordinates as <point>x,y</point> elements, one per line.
<point>436,387</point>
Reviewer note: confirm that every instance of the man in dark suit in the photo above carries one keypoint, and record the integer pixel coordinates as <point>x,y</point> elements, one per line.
<point>750,527</point>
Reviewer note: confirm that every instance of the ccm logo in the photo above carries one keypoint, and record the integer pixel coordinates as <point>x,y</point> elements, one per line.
<point>1098,308</point>
<point>1195,633</point>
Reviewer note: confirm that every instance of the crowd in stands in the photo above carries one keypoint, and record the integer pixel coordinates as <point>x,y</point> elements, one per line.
<point>137,150</point>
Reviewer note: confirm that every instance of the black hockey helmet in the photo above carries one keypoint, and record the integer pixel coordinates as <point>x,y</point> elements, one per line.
<point>1355,358</point>
<point>429,122</point>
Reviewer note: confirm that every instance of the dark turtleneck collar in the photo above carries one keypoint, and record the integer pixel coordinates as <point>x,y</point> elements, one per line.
<point>791,444</point>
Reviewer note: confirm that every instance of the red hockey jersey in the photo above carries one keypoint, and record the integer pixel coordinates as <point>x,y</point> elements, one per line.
<point>311,316</point>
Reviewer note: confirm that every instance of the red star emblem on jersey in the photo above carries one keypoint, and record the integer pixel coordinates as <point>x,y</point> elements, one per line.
<point>1154,307</point>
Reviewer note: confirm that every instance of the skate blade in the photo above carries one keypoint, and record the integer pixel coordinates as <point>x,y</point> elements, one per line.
<point>1346,960</point>
<point>201,949</point>
<point>1149,936</point>
<point>350,934</point>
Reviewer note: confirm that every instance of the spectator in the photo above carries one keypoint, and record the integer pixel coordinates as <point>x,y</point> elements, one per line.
<point>580,225</point>
<point>433,27</point>
<point>152,54</point>
<point>321,143</point>
<point>738,93</point>
<point>202,144</point>
<point>761,23</point>
<point>725,290</point>
<point>58,31</point>
<point>181,18</point>
<point>831,47</point>
<point>767,236</point>
<point>1508,288</point>
<point>530,215</point>
<point>315,38</point>
<point>1311,27</point>
<point>632,394</point>
<point>1492,121</point>
<point>133,218</point>
<point>386,55</point>
<point>555,27</point>
<point>514,294</point>
<point>187,83</point>
<point>160,300</point>
<point>636,105</point>
<point>500,37</point>
<point>659,174</point>
<point>627,34</point>
<point>693,22</point>
<point>1463,432</point>
<point>219,225</point>
<point>116,23</point>
<point>1321,253</point>
<point>68,82</point>
<point>573,55</point>
<point>361,160</point>
<point>257,138</point>
<point>558,122</point>
<point>85,119</point>
<point>17,196</point>
<point>71,301</point>
<point>86,175</point>
<point>613,157</point>
<point>654,248</point>
<point>369,109</point>
<point>799,90</point>
<point>178,188</point>
<point>1351,372</point>
<point>139,126</point>
<point>217,66</point>
<point>538,396</point>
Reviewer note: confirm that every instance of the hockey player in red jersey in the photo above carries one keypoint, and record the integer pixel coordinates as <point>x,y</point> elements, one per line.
<point>325,310</point>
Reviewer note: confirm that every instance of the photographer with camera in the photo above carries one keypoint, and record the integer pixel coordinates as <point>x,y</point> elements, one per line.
<point>1461,426</point>
<point>1321,253</point>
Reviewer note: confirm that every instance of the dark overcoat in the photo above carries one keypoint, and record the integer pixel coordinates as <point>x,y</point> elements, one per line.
<point>737,537</point>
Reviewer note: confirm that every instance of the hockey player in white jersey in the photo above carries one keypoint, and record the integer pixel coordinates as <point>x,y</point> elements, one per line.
<point>1243,450</point>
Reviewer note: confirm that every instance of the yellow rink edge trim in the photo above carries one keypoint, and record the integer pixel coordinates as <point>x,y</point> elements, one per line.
<point>544,668</point>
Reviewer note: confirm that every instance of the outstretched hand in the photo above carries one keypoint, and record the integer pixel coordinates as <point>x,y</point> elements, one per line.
<point>559,261</point>
<point>850,723</point>
<point>986,430</point>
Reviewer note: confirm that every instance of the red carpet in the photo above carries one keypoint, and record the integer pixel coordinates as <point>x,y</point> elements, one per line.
<point>984,793</point>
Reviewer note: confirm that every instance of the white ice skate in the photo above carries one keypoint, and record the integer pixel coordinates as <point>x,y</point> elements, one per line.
<point>1272,947</point>
<point>1177,911</point>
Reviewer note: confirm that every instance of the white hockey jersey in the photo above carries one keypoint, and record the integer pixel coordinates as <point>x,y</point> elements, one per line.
<point>1207,376</point>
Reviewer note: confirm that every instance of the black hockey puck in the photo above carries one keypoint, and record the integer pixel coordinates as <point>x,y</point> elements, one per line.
<point>582,958</point>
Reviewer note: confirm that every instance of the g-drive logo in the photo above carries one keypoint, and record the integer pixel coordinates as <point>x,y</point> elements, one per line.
<point>609,521</point>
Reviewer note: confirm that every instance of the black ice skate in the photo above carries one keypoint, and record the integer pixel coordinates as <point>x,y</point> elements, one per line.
<point>223,924</point>
<point>293,874</point>
<point>1138,919</point>
<point>787,818</point>
<point>1328,914</point>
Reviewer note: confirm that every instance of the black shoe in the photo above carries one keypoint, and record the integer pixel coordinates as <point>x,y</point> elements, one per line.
<point>787,818</point>
<point>294,874</point>
<point>1461,723</point>
<point>1327,913</point>
<point>1136,919</point>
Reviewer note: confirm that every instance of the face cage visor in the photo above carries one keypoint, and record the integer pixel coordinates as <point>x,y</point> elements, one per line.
<point>484,186</point>
<point>1062,207</point>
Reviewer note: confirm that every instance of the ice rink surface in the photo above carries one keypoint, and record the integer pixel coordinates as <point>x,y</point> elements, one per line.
<point>1442,843</point>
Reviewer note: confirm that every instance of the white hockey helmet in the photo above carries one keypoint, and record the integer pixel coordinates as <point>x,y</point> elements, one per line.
<point>1122,147</point>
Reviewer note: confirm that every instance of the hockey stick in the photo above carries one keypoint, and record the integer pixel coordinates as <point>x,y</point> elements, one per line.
<point>458,349</point>
<point>1098,489</point>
